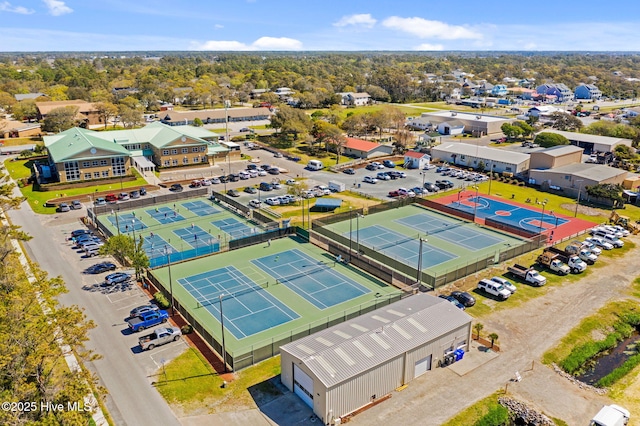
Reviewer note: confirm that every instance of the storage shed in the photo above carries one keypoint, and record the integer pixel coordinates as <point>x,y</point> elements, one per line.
<point>353,364</point>
<point>556,156</point>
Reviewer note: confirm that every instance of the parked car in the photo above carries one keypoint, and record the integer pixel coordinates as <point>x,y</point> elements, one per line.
<point>205,182</point>
<point>77,232</point>
<point>233,177</point>
<point>143,191</point>
<point>394,193</point>
<point>64,207</point>
<point>99,268</point>
<point>430,187</point>
<point>599,242</point>
<point>418,190</point>
<point>262,173</point>
<point>273,201</point>
<point>250,190</point>
<point>371,166</point>
<point>290,182</point>
<point>176,187</point>
<point>117,278</point>
<point>506,283</point>
<point>406,192</point>
<point>255,204</point>
<point>265,186</point>
<point>277,155</point>
<point>142,309</point>
<point>244,130</point>
<point>111,198</point>
<point>233,193</point>
<point>123,196</point>
<point>388,163</point>
<point>377,165</point>
<point>274,171</point>
<point>135,194</point>
<point>195,184</point>
<point>383,176</point>
<point>76,205</point>
<point>370,179</point>
<point>463,297</point>
<point>215,180</point>
<point>453,301</point>
<point>100,202</point>
<point>350,171</point>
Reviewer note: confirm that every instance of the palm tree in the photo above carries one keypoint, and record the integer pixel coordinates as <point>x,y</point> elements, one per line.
<point>493,337</point>
<point>478,328</point>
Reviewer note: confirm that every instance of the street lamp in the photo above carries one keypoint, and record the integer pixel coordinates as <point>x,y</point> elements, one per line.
<point>358,216</point>
<point>224,349</point>
<point>226,133</point>
<point>460,192</point>
<point>490,178</point>
<point>168,253</point>
<point>475,202</point>
<point>575,214</point>
<point>117,222</point>
<point>350,229</point>
<point>418,278</point>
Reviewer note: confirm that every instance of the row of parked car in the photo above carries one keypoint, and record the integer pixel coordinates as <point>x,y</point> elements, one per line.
<point>87,243</point>
<point>123,196</point>
<point>462,174</point>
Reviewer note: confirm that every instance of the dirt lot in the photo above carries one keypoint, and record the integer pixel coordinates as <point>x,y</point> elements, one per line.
<point>526,332</point>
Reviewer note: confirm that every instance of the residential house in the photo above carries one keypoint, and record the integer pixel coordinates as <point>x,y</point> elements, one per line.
<point>24,96</point>
<point>484,88</point>
<point>18,129</point>
<point>416,160</point>
<point>588,92</point>
<point>87,112</point>
<point>561,92</point>
<point>355,99</point>
<point>499,90</point>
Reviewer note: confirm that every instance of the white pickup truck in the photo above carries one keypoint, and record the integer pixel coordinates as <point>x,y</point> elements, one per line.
<point>611,415</point>
<point>160,336</point>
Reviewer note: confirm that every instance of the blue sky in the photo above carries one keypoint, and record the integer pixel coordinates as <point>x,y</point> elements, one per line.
<point>347,25</point>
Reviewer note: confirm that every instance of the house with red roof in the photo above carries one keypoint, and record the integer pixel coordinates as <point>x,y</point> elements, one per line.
<point>416,160</point>
<point>365,149</point>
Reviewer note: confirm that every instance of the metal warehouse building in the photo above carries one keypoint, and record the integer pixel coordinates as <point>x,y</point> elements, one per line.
<point>476,124</point>
<point>355,363</point>
<point>467,155</point>
<point>592,143</point>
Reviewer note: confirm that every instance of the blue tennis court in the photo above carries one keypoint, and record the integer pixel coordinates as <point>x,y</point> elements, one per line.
<point>195,236</point>
<point>310,278</point>
<point>248,308</point>
<point>522,217</point>
<point>165,215</point>
<point>233,227</point>
<point>155,246</point>
<point>201,208</point>
<point>450,230</point>
<point>403,248</point>
<point>127,222</point>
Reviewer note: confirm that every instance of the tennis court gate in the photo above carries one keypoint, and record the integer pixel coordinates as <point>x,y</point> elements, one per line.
<point>268,348</point>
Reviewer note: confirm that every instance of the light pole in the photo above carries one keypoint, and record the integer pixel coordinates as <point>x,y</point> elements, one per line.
<point>575,214</point>
<point>358,216</point>
<point>490,178</point>
<point>422,187</point>
<point>224,349</point>
<point>226,135</point>
<point>544,203</point>
<point>117,222</point>
<point>460,192</point>
<point>475,202</point>
<point>259,198</point>
<point>168,253</point>
<point>418,278</point>
<point>350,229</point>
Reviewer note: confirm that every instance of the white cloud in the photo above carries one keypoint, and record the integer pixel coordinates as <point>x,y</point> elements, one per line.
<point>263,43</point>
<point>218,26</point>
<point>57,7</point>
<point>424,28</point>
<point>273,43</point>
<point>357,20</point>
<point>429,47</point>
<point>5,6</point>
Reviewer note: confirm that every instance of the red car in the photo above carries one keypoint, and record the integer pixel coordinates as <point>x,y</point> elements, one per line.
<point>394,193</point>
<point>195,184</point>
<point>111,198</point>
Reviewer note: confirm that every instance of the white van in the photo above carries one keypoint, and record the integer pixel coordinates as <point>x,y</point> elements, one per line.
<point>315,165</point>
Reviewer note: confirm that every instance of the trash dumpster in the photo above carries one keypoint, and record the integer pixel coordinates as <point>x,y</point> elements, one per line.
<point>459,354</point>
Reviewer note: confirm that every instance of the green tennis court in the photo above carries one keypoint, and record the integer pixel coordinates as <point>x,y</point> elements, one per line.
<point>448,242</point>
<point>270,292</point>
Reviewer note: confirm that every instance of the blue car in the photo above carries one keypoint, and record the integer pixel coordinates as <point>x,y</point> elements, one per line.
<point>388,163</point>
<point>453,301</point>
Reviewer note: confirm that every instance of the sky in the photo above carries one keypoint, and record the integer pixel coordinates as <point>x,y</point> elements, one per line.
<point>328,25</point>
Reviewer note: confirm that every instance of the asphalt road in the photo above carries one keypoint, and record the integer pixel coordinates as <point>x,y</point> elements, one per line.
<point>125,373</point>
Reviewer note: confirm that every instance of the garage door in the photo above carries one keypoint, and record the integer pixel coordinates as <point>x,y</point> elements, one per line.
<point>303,385</point>
<point>422,366</point>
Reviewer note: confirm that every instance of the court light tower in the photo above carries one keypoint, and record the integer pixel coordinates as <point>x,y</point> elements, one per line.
<point>423,176</point>
<point>418,278</point>
<point>575,214</point>
<point>224,348</point>
<point>358,216</point>
<point>350,231</point>
<point>490,178</point>
<point>475,202</point>
<point>544,203</point>
<point>117,223</point>
<point>168,253</point>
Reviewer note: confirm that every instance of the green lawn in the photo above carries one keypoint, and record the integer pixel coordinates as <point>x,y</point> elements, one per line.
<point>21,170</point>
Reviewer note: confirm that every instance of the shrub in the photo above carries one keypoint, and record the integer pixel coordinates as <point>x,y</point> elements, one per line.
<point>497,416</point>
<point>581,354</point>
<point>186,329</point>
<point>161,300</point>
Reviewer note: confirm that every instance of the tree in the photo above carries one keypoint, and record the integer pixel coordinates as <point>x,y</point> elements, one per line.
<point>106,111</point>
<point>527,129</point>
<point>291,120</point>
<point>607,191</point>
<point>565,122</point>
<point>60,119</point>
<point>119,246</point>
<point>478,328</point>
<point>6,101</point>
<point>624,152</point>
<point>547,139</point>
<point>130,117</point>
<point>198,122</point>
<point>493,337</point>
<point>139,258</point>
<point>25,110</point>
<point>402,140</point>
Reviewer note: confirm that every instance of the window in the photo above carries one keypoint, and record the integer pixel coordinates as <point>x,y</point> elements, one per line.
<point>87,176</point>
<point>96,175</point>
<point>95,163</point>
<point>167,163</point>
<point>146,146</point>
<point>174,162</point>
<point>462,157</point>
<point>174,151</point>
<point>86,164</point>
<point>103,162</point>
<point>194,149</point>
<point>196,159</point>
<point>165,152</point>
<point>71,170</point>
<point>185,160</point>
<point>567,177</point>
<point>508,169</point>
<point>118,166</point>
<point>203,148</point>
<point>185,150</point>
<point>105,173</point>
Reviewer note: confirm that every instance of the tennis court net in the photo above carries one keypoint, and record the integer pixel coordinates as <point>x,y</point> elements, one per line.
<point>206,301</point>
<point>397,242</point>
<point>308,270</point>
<point>446,227</point>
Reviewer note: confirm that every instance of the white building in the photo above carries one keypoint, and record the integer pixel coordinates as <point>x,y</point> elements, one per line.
<point>467,155</point>
<point>592,143</point>
<point>352,365</point>
<point>416,160</point>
